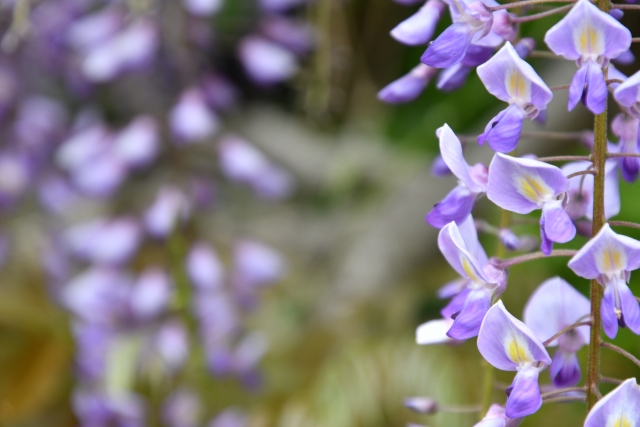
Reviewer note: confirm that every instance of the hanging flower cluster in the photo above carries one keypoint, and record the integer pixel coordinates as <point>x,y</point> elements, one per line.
<point>121,102</point>
<point>577,197</point>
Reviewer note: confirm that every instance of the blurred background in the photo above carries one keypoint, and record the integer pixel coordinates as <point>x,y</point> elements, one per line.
<point>207,217</point>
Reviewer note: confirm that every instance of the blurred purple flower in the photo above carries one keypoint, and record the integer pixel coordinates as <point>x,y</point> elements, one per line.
<point>267,63</point>
<point>169,208</point>
<point>172,344</point>
<point>191,120</point>
<point>137,145</point>
<point>105,241</point>
<point>204,268</point>
<point>182,408</point>
<point>151,293</point>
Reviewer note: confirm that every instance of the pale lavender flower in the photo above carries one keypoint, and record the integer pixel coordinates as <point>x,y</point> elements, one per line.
<point>618,408</point>
<point>434,332</point>
<point>101,409</point>
<point>39,122</point>
<point>256,264</point>
<point>230,418</point>
<point>457,205</point>
<point>90,30</point>
<point>249,352</point>
<point>169,208</point>
<point>265,62</point>
<point>56,194</point>
<point>191,120</point>
<point>590,37</point>
<point>203,7</point>
<point>137,144</point>
<point>151,293</point>
<point>551,308</point>
<point>172,344</point>
<point>82,147</point>
<point>182,408</point>
<point>626,128</point>
<point>627,94</point>
<point>15,177</point>
<point>419,27</point>
<point>509,345</point>
<point>609,258</point>
<point>408,87</point>
<point>299,36</point>
<point>523,185</point>
<point>204,267</point>
<point>581,190</point>
<point>101,176</point>
<point>92,346</point>
<point>219,92</point>
<point>453,77</point>
<point>509,78</point>
<point>421,405</point>
<point>105,241</point>
<point>472,23</point>
<point>485,282</point>
<point>496,417</point>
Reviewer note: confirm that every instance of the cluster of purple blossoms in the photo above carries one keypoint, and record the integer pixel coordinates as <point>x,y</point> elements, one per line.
<point>126,183</point>
<point>577,198</point>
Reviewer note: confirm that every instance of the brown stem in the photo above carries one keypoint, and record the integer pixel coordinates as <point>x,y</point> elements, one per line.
<point>621,351</point>
<point>526,3</point>
<point>544,54</point>
<point>561,87</point>
<point>564,158</point>
<point>617,155</point>
<point>610,380</point>
<point>565,330</point>
<point>564,399</point>
<point>625,6</point>
<point>540,15</point>
<point>624,224</point>
<point>561,391</point>
<point>580,173</point>
<point>612,81</point>
<point>635,39</point>
<point>504,263</point>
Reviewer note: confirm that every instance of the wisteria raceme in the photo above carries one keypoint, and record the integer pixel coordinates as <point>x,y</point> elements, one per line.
<point>578,196</point>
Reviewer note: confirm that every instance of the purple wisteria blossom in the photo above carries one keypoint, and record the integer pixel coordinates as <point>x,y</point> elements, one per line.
<point>610,258</point>
<point>472,23</point>
<point>618,408</point>
<point>484,282</point>
<point>626,128</point>
<point>457,205</point>
<point>523,185</point>
<point>511,79</point>
<point>509,345</point>
<point>627,94</point>
<point>419,27</point>
<point>581,190</point>
<point>434,332</point>
<point>408,87</point>
<point>590,37</point>
<point>551,308</point>
<point>496,417</point>
<point>453,77</point>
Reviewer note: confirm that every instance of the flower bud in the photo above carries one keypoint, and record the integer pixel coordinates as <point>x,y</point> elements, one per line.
<point>509,239</point>
<point>421,405</point>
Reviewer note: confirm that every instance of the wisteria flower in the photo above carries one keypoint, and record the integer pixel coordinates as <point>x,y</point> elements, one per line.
<point>523,185</point>
<point>509,345</point>
<point>627,94</point>
<point>408,87</point>
<point>419,27</point>
<point>581,190</point>
<point>434,332</point>
<point>484,282</point>
<point>610,258</point>
<point>552,307</point>
<point>590,37</point>
<point>472,23</point>
<point>509,78</point>
<point>453,77</point>
<point>457,205</point>
<point>619,408</point>
<point>626,128</point>
<point>496,417</point>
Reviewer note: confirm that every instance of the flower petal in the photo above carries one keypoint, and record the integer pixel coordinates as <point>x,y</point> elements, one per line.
<point>558,227</point>
<point>564,369</point>
<point>456,206</point>
<point>467,323</point>
<point>434,332</point>
<point>455,251</point>
<point>449,48</point>
<point>451,151</point>
<point>618,408</point>
<point>522,185</point>
<point>525,396</point>
<point>577,87</point>
<point>628,92</point>
<point>408,87</point>
<point>608,313</point>
<point>419,27</point>
<point>596,99</point>
<point>503,131</point>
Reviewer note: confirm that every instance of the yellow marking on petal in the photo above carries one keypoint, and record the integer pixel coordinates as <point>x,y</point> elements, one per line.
<point>621,421</point>
<point>589,41</point>
<point>611,260</point>
<point>468,268</point>
<point>518,353</point>
<point>517,85</point>
<point>534,188</point>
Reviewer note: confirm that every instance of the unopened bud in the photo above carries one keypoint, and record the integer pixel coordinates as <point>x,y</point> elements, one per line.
<point>421,405</point>
<point>509,239</point>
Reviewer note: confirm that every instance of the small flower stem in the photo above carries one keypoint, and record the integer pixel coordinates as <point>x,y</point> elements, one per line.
<point>610,380</point>
<point>635,39</point>
<point>621,351</point>
<point>580,173</point>
<point>546,54</point>
<point>565,330</point>
<point>526,3</point>
<point>561,391</point>
<point>625,6</point>
<point>519,19</point>
<point>561,87</point>
<point>612,81</point>
<point>617,155</point>
<point>564,399</point>
<point>624,224</point>
<point>564,158</point>
<point>505,263</point>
